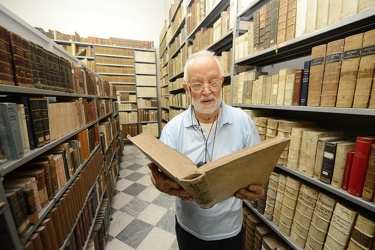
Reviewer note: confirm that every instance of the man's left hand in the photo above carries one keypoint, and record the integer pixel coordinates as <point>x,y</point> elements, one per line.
<point>251,193</point>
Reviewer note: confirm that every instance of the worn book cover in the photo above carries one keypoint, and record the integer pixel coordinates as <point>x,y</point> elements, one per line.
<point>217,180</point>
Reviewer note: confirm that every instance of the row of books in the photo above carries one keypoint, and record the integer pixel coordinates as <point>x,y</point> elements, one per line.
<point>27,123</point>
<point>71,212</point>
<point>147,115</point>
<point>325,155</point>
<point>151,128</point>
<point>57,35</point>
<point>147,103</point>
<point>258,235</point>
<point>278,21</point>
<point>145,68</point>
<point>335,77</point>
<point>29,65</point>
<point>129,129</point>
<point>313,220</point>
<point>145,56</point>
<point>128,117</point>
<point>41,179</point>
<point>146,80</point>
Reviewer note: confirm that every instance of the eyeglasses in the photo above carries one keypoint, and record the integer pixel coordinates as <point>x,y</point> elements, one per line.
<point>198,87</point>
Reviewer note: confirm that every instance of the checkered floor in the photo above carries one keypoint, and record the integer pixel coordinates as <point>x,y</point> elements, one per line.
<point>142,217</point>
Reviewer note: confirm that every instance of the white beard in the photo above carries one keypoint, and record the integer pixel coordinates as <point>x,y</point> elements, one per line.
<point>207,109</point>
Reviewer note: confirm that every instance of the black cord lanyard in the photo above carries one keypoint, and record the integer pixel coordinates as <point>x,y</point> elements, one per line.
<point>206,153</point>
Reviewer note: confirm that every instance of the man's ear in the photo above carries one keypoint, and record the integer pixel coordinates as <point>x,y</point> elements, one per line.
<point>186,87</point>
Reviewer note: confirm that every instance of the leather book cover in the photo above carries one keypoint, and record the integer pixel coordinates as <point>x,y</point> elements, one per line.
<point>318,55</point>
<point>210,184</point>
<point>320,152</point>
<point>18,62</point>
<point>6,68</point>
<point>51,231</point>
<point>348,167</point>
<point>256,30</point>
<point>18,208</point>
<point>349,70</point>
<point>305,83</point>
<point>36,119</point>
<point>342,150</point>
<point>52,170</point>
<point>44,236</point>
<point>297,87</point>
<point>45,165</point>
<point>359,165</point>
<point>369,185</point>
<point>328,162</point>
<point>363,233</point>
<point>10,131</point>
<point>57,226</point>
<point>365,71</point>
<point>331,73</point>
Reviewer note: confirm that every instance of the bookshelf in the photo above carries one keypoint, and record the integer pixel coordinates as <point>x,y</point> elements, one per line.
<point>238,39</point>
<point>78,203</point>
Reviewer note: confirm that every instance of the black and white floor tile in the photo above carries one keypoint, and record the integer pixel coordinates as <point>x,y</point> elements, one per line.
<point>142,217</point>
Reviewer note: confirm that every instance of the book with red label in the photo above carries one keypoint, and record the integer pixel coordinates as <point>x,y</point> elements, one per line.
<point>360,163</point>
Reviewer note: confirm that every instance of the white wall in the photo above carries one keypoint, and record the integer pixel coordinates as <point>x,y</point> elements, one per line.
<point>131,19</point>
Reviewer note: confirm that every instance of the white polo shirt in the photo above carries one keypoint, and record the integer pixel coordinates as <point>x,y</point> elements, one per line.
<point>234,131</point>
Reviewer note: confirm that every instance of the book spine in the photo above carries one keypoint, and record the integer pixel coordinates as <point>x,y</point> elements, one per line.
<point>305,83</point>
<point>365,71</point>
<point>331,73</point>
<point>359,165</point>
<point>340,163</point>
<point>362,234</point>
<point>328,162</point>
<point>23,128</point>
<point>297,87</point>
<point>43,104</point>
<point>281,28</point>
<point>369,184</point>
<point>10,132</point>
<point>318,56</point>
<point>349,70</point>
<point>36,120</point>
<point>274,21</point>
<point>348,167</point>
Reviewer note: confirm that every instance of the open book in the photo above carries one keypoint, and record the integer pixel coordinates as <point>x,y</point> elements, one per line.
<point>217,180</point>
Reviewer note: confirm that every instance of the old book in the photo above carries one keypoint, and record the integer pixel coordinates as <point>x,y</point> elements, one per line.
<point>369,185</point>
<point>305,83</point>
<point>311,15</point>
<point>275,85</point>
<point>342,149</point>
<point>48,222</point>
<point>10,131</point>
<point>18,208</point>
<point>348,168</point>
<point>349,8</point>
<point>18,60</point>
<point>279,199</point>
<point>318,55</point>
<point>328,161</point>
<point>291,20</point>
<point>37,122</point>
<point>349,70</point>
<point>40,181</point>
<point>60,170</point>
<point>43,109</point>
<point>360,163</point>
<point>295,146</point>
<point>44,236</point>
<point>24,101</point>
<point>45,165</point>
<point>322,10</point>
<point>364,5</point>
<point>341,225</point>
<point>307,154</point>
<point>301,17</point>
<point>28,193</point>
<point>289,89</point>
<point>298,78</point>
<point>210,184</point>
<point>256,35</point>
<point>274,19</point>
<point>52,170</point>
<point>268,91</point>
<point>23,128</point>
<point>319,154</point>
<point>365,71</point>
<point>331,73</point>
<point>282,84</point>
<point>335,11</point>
<point>281,28</point>
<point>363,233</point>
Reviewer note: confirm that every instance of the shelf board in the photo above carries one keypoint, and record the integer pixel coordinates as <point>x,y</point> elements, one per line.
<point>11,165</point>
<point>339,192</point>
<point>115,65</point>
<point>35,91</point>
<point>223,44</point>
<point>329,110</point>
<point>109,55</point>
<point>302,45</point>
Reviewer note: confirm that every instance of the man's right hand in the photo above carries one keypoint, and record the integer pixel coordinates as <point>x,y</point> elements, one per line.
<point>166,185</point>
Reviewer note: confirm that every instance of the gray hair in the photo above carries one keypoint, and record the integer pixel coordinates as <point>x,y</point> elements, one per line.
<point>189,62</point>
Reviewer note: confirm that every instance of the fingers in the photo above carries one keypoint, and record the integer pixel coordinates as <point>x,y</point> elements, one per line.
<point>251,193</point>
<point>166,185</point>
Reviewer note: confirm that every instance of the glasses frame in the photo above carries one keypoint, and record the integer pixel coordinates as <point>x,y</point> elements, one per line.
<point>201,88</point>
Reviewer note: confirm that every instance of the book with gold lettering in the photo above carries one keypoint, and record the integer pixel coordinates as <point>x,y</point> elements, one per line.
<point>217,180</point>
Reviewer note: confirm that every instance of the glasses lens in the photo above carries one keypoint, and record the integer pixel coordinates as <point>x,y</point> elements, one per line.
<point>198,87</point>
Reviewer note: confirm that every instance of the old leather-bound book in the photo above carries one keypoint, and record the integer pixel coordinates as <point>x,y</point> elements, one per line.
<point>210,183</point>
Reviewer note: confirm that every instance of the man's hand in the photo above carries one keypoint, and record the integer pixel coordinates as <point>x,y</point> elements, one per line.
<point>166,185</point>
<point>251,193</point>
